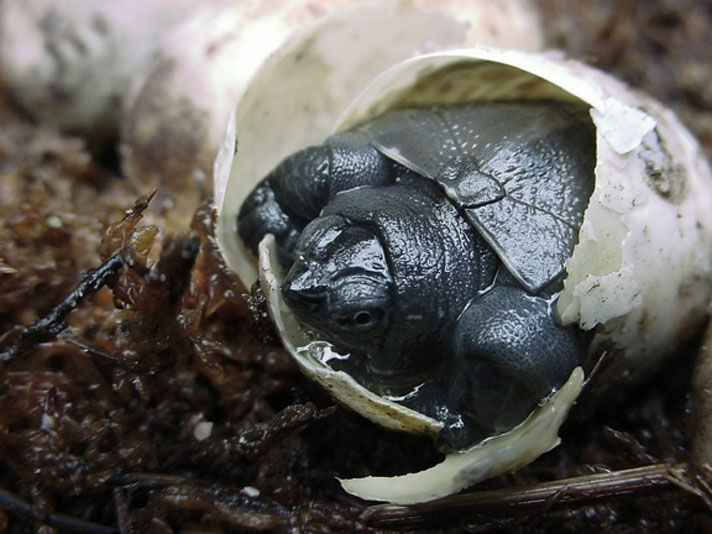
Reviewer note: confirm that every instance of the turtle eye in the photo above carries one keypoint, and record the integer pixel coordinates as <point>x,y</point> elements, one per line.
<point>363,318</point>
<point>361,321</point>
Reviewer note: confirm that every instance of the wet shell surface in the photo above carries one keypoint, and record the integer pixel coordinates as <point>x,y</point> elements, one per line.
<point>640,277</point>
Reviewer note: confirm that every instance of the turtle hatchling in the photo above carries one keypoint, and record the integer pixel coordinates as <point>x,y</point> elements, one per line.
<point>447,247</point>
<point>429,244</point>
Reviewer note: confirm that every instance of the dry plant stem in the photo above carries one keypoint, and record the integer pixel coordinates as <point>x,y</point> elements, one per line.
<point>227,503</point>
<point>701,405</point>
<point>50,325</point>
<point>255,441</point>
<point>123,518</point>
<point>14,505</point>
<point>533,499</point>
<point>113,360</point>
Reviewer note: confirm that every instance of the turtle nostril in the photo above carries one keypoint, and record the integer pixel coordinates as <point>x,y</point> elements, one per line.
<point>300,293</point>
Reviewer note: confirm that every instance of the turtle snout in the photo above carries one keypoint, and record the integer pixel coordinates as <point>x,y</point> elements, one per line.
<point>302,292</point>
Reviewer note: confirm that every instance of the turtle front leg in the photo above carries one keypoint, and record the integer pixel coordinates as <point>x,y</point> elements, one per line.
<point>297,190</point>
<point>260,215</point>
<point>509,353</point>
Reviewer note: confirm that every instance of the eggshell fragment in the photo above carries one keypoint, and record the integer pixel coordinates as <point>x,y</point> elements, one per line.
<point>514,449</point>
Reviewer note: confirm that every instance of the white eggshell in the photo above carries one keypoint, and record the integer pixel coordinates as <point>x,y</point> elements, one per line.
<point>70,62</point>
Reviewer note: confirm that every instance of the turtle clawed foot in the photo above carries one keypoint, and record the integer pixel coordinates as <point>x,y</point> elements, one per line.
<point>260,215</point>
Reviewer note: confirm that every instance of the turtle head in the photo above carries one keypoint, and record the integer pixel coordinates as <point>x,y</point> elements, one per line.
<point>340,283</point>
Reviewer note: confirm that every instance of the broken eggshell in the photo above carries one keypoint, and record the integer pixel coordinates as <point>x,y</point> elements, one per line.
<point>177,110</point>
<point>639,278</point>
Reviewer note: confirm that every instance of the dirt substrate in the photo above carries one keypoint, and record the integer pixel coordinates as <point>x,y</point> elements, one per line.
<point>153,398</point>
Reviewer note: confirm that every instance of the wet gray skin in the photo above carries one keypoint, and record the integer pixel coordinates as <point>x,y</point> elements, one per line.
<point>435,266</point>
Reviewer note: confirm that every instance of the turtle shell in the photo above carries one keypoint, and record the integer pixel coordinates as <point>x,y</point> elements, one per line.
<point>521,172</point>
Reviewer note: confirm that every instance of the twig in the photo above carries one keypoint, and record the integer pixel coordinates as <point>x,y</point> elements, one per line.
<point>259,438</point>
<point>16,506</point>
<point>154,480</point>
<point>694,480</point>
<point>50,325</point>
<point>227,503</point>
<point>121,507</point>
<point>113,360</point>
<point>536,498</point>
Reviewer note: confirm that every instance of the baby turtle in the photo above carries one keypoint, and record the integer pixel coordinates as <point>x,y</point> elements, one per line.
<point>430,244</point>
